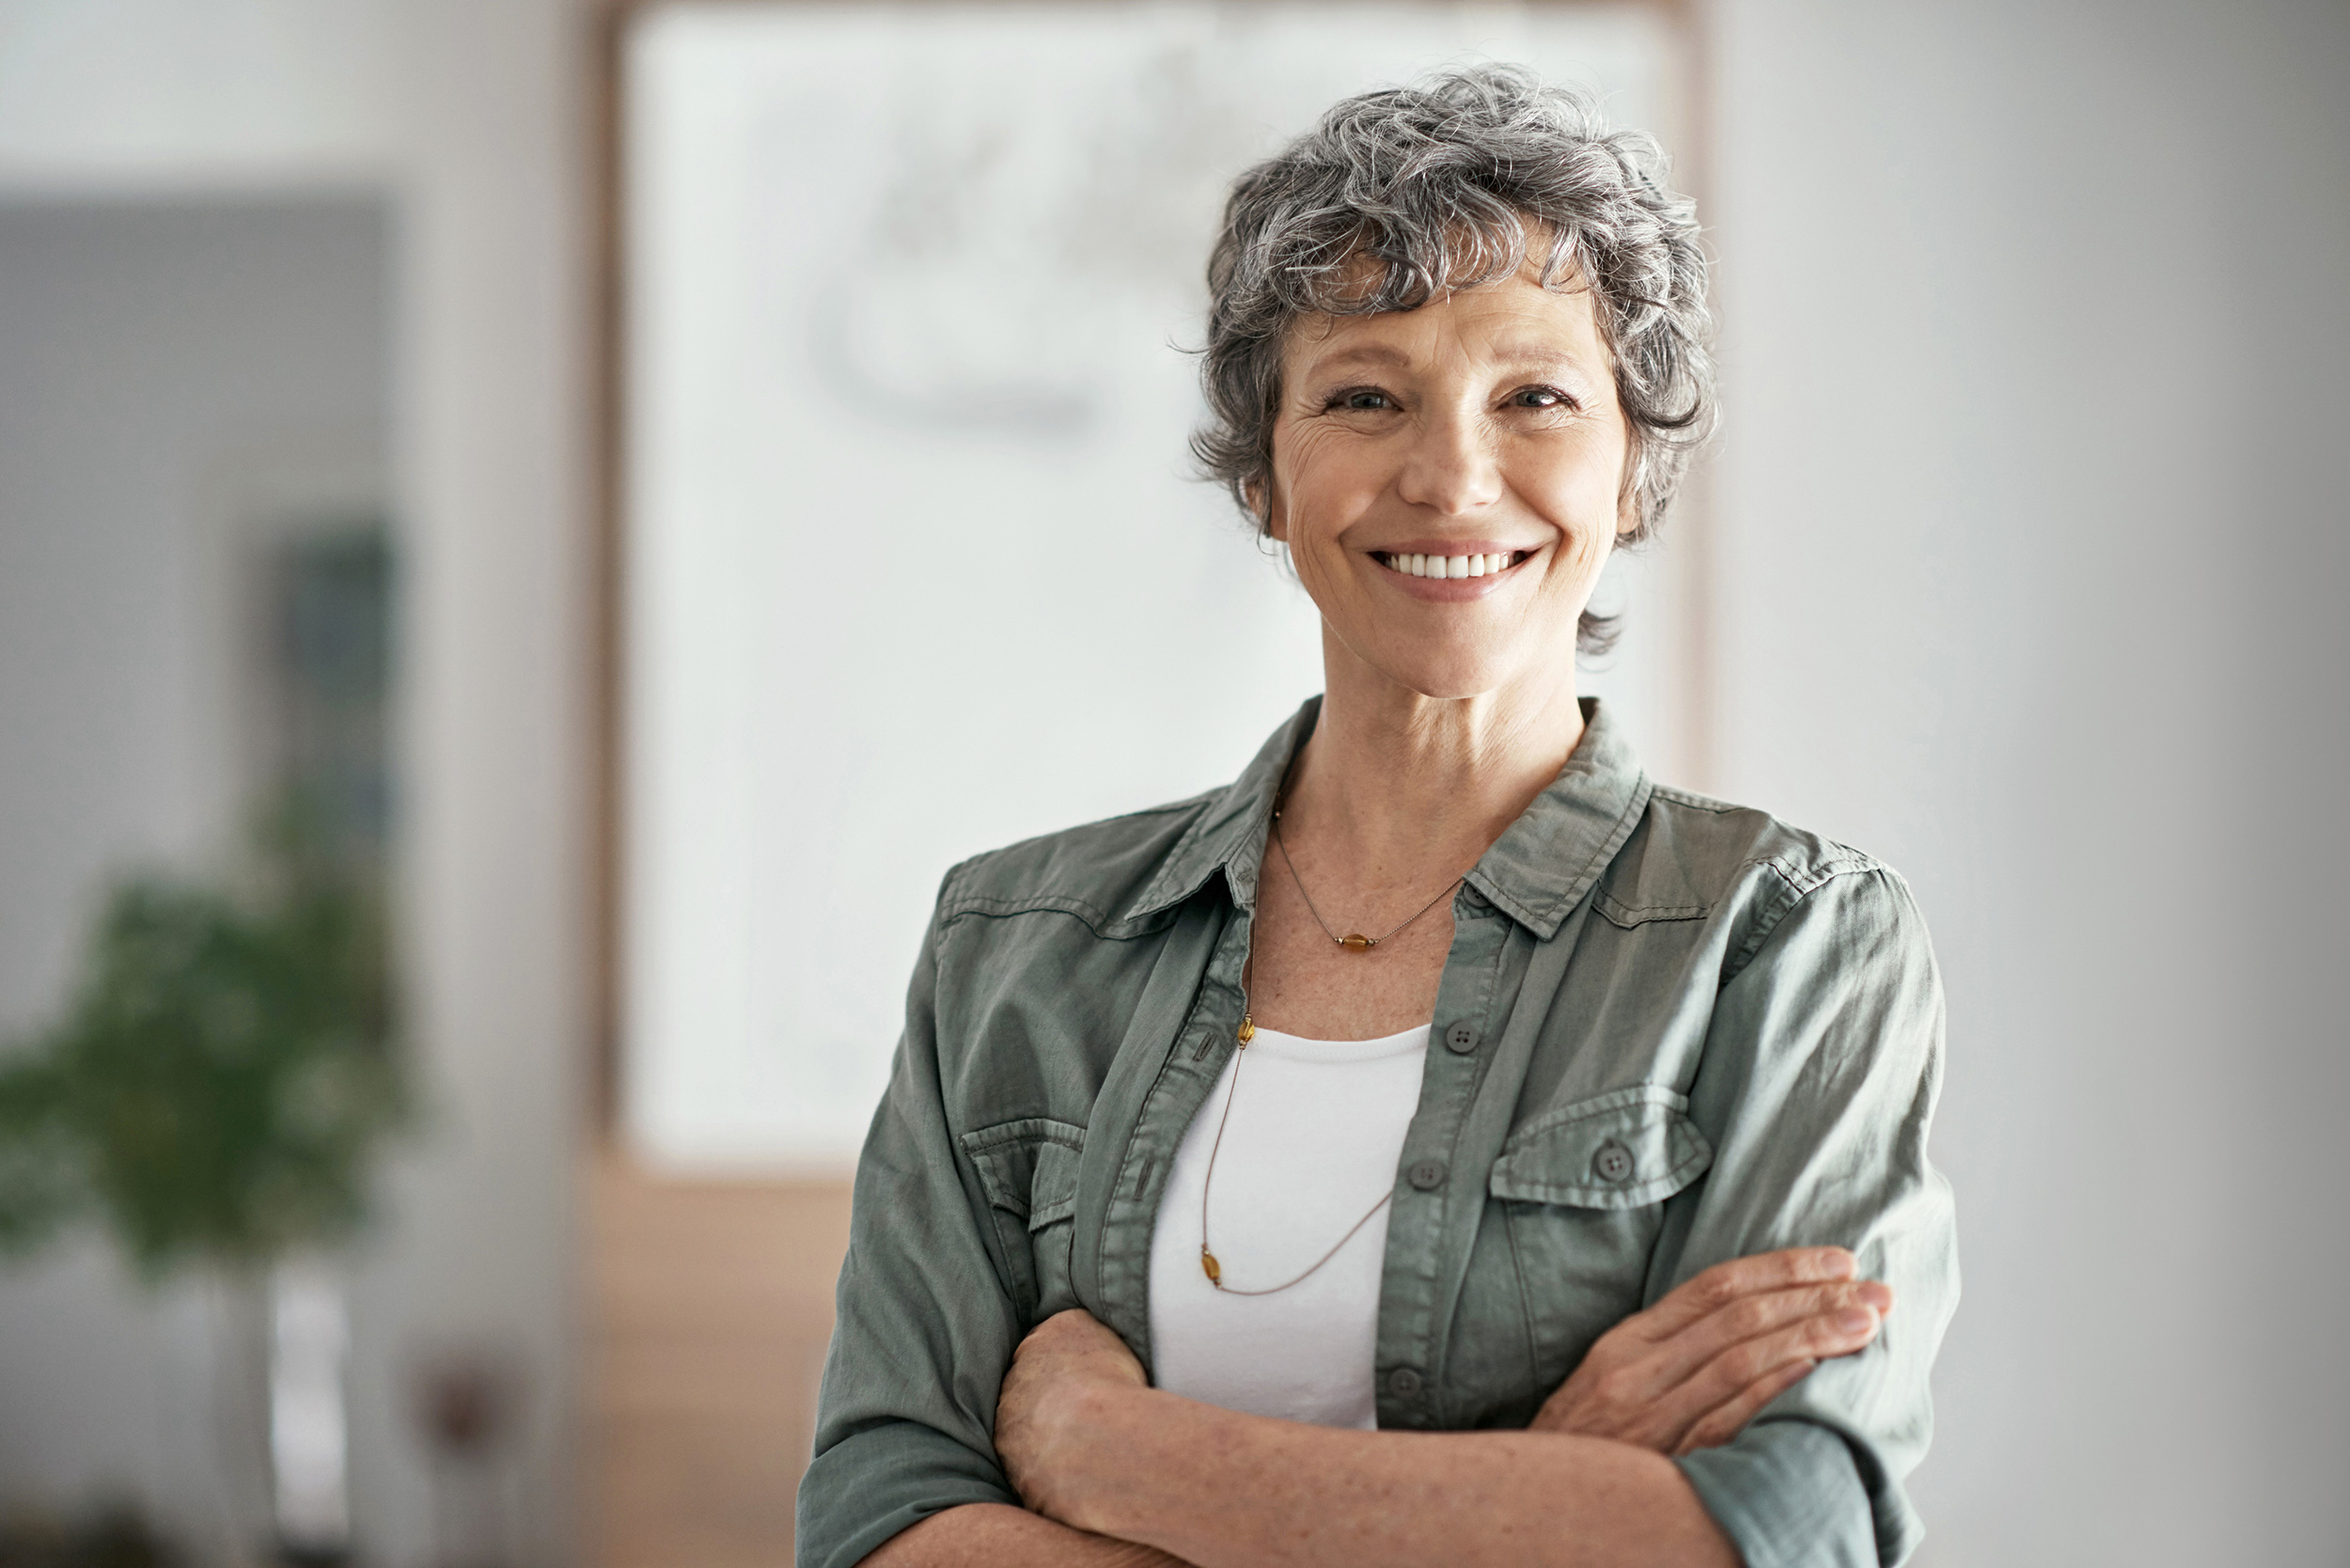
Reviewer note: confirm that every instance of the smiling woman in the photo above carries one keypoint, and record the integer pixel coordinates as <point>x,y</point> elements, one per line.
<point>1560,1221</point>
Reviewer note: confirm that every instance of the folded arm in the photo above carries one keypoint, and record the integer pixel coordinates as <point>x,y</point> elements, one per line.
<point>1114,1461</point>
<point>1213,1487</point>
<point>982,1535</point>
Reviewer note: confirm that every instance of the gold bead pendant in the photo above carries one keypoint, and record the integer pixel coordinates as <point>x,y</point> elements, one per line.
<point>1355,942</point>
<point>1208,1265</point>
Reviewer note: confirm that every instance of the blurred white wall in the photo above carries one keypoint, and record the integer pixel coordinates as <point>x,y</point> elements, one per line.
<point>2032,518</point>
<point>467,121</point>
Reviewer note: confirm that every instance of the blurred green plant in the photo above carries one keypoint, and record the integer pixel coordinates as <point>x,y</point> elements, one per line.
<point>225,1073</point>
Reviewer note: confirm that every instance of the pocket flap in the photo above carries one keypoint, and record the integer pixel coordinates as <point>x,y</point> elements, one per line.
<point>1028,1167</point>
<point>1622,1150</point>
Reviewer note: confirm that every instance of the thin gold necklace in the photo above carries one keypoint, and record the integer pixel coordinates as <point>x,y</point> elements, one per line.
<point>1354,943</point>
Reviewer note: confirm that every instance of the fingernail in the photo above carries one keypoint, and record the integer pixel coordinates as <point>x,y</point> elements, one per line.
<point>1878,1296</point>
<point>1855,1319</point>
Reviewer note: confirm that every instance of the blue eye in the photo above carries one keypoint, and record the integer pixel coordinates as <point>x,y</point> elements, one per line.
<point>1361,399</point>
<point>1541,396</point>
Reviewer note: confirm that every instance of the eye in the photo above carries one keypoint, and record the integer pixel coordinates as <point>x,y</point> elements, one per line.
<point>1541,396</point>
<point>1360,400</point>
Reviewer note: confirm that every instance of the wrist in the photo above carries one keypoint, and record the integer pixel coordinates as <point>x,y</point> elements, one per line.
<point>1105,1434</point>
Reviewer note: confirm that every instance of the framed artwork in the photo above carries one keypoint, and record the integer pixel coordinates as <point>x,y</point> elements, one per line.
<point>911,562</point>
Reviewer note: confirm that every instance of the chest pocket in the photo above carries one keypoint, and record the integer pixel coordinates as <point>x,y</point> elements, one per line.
<point>1583,1188</point>
<point>1029,1170</point>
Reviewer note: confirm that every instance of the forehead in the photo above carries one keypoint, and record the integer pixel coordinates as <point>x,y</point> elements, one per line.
<point>1511,321</point>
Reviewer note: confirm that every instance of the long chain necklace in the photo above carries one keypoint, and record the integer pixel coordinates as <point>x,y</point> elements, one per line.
<point>1354,942</point>
<point>1208,1264</point>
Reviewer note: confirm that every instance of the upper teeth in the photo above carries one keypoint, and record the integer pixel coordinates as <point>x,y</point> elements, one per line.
<point>1446,566</point>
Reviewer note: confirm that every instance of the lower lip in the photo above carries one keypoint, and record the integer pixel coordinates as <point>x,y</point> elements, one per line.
<point>1449,590</point>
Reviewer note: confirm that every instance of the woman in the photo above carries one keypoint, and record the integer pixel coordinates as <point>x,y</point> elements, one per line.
<point>1444,1145</point>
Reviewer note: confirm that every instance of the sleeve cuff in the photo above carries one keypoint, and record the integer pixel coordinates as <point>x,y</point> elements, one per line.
<point>1789,1493</point>
<point>873,1484</point>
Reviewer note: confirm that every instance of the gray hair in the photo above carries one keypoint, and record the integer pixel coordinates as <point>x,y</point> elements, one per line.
<point>1445,185</point>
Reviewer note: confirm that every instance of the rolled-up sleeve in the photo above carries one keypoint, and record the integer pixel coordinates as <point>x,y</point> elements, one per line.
<point>925,1329</point>
<point>1821,1068</point>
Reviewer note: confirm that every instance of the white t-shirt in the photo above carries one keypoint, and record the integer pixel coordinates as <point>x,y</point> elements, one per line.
<point>1313,1142</point>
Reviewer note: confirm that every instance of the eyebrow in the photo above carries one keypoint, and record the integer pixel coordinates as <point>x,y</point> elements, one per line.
<point>1516,354</point>
<point>1366,353</point>
<point>1536,353</point>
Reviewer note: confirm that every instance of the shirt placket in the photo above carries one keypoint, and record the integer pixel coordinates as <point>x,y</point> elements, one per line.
<point>1415,1293</point>
<point>1198,1041</point>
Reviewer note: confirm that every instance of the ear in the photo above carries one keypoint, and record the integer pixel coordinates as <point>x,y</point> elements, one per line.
<point>1628,495</point>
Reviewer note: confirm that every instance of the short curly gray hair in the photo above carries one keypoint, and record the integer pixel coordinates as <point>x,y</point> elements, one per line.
<point>1445,186</point>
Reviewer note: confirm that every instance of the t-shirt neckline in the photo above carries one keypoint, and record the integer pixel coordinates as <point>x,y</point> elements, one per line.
<point>1290,1047</point>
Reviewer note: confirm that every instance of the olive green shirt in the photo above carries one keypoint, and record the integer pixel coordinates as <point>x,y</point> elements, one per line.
<point>1670,1032</point>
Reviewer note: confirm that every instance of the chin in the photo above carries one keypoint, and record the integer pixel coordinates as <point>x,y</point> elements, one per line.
<point>1450,679</point>
<point>1461,661</point>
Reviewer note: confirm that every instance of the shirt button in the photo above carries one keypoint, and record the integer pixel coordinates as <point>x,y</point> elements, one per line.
<point>1613,1163</point>
<point>1427,1175</point>
<point>1461,1037</point>
<point>1403,1383</point>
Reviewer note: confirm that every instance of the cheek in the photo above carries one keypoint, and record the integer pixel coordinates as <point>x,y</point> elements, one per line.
<point>1581,484</point>
<point>1324,475</point>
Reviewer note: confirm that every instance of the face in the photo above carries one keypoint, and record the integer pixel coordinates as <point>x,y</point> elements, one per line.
<point>1450,482</point>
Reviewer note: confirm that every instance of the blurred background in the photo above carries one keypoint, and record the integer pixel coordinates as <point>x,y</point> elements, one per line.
<point>514,515</point>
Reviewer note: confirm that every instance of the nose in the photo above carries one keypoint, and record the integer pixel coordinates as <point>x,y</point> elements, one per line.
<point>1452,468</point>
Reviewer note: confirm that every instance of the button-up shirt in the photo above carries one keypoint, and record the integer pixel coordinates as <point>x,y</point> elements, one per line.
<point>1670,1032</point>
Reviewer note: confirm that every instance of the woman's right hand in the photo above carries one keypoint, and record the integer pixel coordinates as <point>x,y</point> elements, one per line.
<point>1692,1371</point>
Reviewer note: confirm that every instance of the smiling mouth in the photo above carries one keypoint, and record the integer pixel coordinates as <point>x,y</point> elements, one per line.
<point>1450,566</point>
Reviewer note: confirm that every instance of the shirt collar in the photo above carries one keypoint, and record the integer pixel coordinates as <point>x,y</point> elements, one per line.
<point>1536,873</point>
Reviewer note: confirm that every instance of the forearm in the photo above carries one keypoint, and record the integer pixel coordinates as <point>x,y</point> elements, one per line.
<point>1223,1490</point>
<point>992,1535</point>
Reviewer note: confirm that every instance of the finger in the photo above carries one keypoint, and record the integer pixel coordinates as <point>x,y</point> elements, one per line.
<point>1725,1283</point>
<point>1630,1369</point>
<point>1663,1410</point>
<point>1724,1422</point>
<point>1069,1321</point>
<point>1817,1337</point>
<point>1059,1332</point>
<point>1751,1317</point>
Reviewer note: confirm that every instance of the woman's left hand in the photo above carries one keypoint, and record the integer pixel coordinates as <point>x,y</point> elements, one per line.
<point>1061,1377</point>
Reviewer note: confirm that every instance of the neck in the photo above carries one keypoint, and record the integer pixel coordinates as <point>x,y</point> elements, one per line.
<point>1417,787</point>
